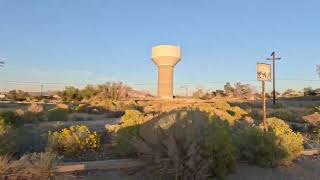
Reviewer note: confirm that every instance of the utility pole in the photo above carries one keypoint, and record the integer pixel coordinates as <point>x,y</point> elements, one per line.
<point>186,90</point>
<point>274,58</point>
<point>41,90</point>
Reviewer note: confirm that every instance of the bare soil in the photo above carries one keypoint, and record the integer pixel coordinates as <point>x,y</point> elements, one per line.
<point>305,168</point>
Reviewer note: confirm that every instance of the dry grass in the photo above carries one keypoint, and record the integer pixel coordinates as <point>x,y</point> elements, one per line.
<point>32,165</point>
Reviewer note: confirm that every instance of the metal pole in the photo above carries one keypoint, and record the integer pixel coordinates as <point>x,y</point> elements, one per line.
<point>264,114</point>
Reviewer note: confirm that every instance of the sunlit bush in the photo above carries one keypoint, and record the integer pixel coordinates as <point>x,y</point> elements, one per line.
<point>57,114</point>
<point>73,141</point>
<point>289,141</point>
<point>223,110</point>
<point>131,118</point>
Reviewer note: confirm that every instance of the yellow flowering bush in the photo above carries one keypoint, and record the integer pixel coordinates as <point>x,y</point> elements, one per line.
<point>223,110</point>
<point>291,142</point>
<point>73,140</point>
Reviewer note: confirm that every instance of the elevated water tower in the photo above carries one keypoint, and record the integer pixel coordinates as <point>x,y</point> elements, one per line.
<point>165,57</point>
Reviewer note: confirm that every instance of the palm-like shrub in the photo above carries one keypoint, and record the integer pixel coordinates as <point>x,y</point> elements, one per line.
<point>183,144</point>
<point>73,141</point>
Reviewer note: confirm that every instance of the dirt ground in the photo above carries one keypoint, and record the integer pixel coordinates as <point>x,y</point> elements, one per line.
<point>303,169</point>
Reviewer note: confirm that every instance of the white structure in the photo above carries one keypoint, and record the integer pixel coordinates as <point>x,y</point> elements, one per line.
<point>165,57</point>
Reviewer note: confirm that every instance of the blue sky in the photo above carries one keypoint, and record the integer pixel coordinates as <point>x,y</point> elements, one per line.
<point>77,42</point>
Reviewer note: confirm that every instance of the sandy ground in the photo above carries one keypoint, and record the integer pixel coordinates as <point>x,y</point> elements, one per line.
<point>306,169</point>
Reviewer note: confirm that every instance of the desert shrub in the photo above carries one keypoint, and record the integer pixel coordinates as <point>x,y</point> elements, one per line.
<point>313,119</point>
<point>81,108</point>
<point>316,135</point>
<point>10,118</point>
<point>57,114</point>
<point>124,136</point>
<point>183,144</point>
<point>129,129</point>
<point>3,129</point>
<point>63,106</point>
<point>223,110</point>
<point>74,140</point>
<point>315,109</point>
<point>258,147</point>
<point>18,141</point>
<point>32,117</point>
<point>132,117</point>
<point>285,114</point>
<point>278,106</point>
<point>256,114</point>
<point>35,165</point>
<point>289,141</point>
<point>35,108</point>
<point>33,114</point>
<point>219,150</point>
<point>291,114</point>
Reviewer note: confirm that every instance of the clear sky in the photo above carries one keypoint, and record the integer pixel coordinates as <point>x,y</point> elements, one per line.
<point>76,42</point>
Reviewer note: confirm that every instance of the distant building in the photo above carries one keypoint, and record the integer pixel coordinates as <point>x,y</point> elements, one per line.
<point>317,92</point>
<point>2,96</point>
<point>291,93</point>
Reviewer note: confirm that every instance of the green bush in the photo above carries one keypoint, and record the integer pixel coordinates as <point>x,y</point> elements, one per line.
<point>124,146</point>
<point>289,141</point>
<point>258,147</point>
<point>4,128</point>
<point>33,114</point>
<point>219,149</point>
<point>316,109</point>
<point>129,129</point>
<point>32,117</point>
<point>57,114</point>
<point>18,141</point>
<point>316,135</point>
<point>10,118</point>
